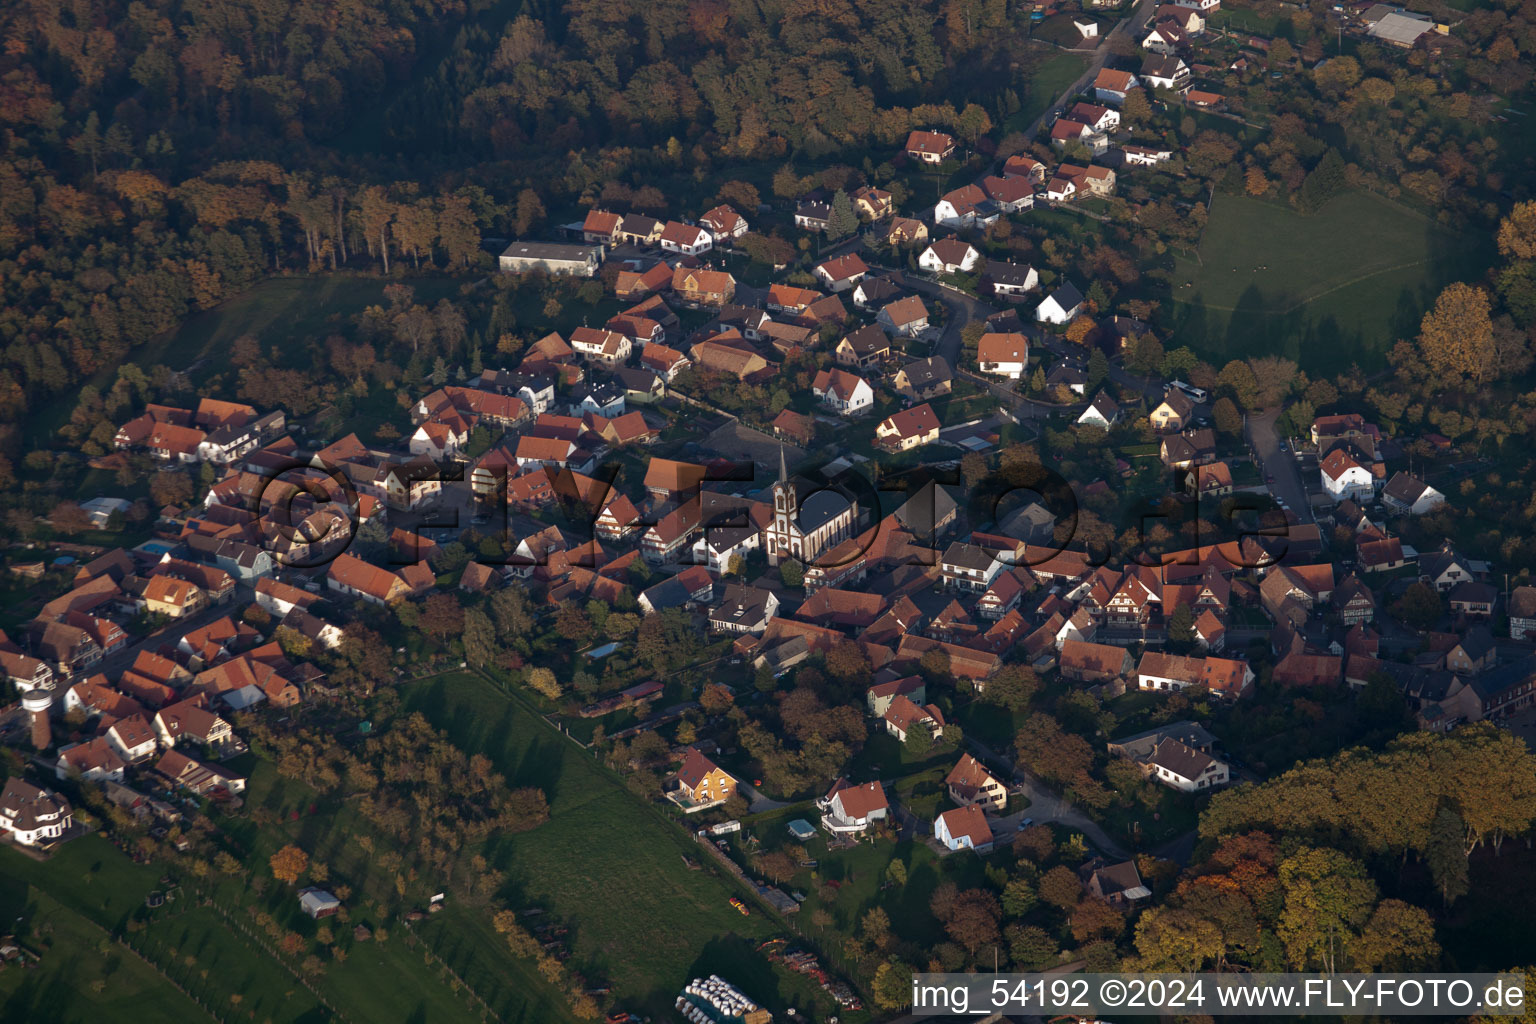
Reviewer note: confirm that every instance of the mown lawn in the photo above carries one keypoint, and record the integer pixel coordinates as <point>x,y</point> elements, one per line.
<point>606,865</point>
<point>77,960</point>
<point>1330,289</point>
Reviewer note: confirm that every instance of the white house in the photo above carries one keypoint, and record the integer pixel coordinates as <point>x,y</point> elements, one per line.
<point>602,346</point>
<point>438,441</point>
<point>94,761</point>
<point>964,828</point>
<point>963,208</point>
<point>1345,478</point>
<point>842,391</point>
<point>1003,354</point>
<point>1145,156</point>
<point>949,256</point>
<point>1060,306</point>
<point>1184,768</point>
<point>1102,412</point>
<point>688,239</point>
<point>849,809</point>
<point>1408,495</point>
<point>132,738</point>
<point>842,272</point>
<point>1012,279</point>
<point>29,815</point>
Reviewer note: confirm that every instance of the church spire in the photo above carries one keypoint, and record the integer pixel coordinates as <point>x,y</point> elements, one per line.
<point>783,470</point>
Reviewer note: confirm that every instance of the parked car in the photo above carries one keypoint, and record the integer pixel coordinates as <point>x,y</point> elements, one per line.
<point>1026,823</point>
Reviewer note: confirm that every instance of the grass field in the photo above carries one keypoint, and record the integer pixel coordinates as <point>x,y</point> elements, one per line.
<point>1327,290</point>
<point>77,959</point>
<point>1053,74</point>
<point>607,865</point>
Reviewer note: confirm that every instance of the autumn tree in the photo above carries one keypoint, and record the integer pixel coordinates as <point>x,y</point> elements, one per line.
<point>288,863</point>
<point>1517,232</point>
<point>541,680</point>
<point>892,985</point>
<point>1061,888</point>
<point>1328,899</point>
<point>1456,336</point>
<point>530,211</point>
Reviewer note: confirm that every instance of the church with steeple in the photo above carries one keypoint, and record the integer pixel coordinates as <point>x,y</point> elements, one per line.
<point>807,518</point>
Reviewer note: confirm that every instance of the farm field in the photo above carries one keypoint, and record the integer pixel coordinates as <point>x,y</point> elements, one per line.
<point>605,864</point>
<point>1331,289</point>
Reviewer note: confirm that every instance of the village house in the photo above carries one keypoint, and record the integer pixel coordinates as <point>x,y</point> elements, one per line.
<point>1084,662</point>
<point>910,428</point>
<point>872,203</point>
<point>703,287</point>
<point>1407,495</point>
<point>1111,86</point>
<point>906,317</point>
<point>1003,355</point>
<point>1009,195</point>
<point>1172,413</point>
<point>929,147</point>
<point>1011,281</point>
<point>1061,306</point>
<point>30,816</point>
<point>688,240</point>
<point>1345,478</point>
<point>1444,569</point>
<point>354,577</point>
<point>878,698</point>
<point>964,828</point>
<point>906,231</point>
<point>744,609</point>
<point>813,216</point>
<point>1117,884</point>
<point>92,761</point>
<point>847,809</point>
<point>841,273</point>
<point>867,346</point>
<point>843,392</point>
<point>1160,671</point>
<point>970,784</point>
<point>1165,72</point>
<point>601,227</point>
<point>702,783</point>
<point>604,347</point>
<point>966,206</point>
<point>1522,613</point>
<point>1145,156</point>
<point>1181,767</point>
<point>724,223</point>
<point>924,379</point>
<point>1103,412</point>
<point>949,256</point>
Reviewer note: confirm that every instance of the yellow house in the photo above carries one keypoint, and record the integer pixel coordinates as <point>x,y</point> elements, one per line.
<point>1172,413</point>
<point>171,597</point>
<point>704,782</point>
<point>970,783</point>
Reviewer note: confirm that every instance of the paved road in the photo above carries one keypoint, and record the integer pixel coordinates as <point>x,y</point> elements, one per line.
<point>1045,806</point>
<point>1288,485</point>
